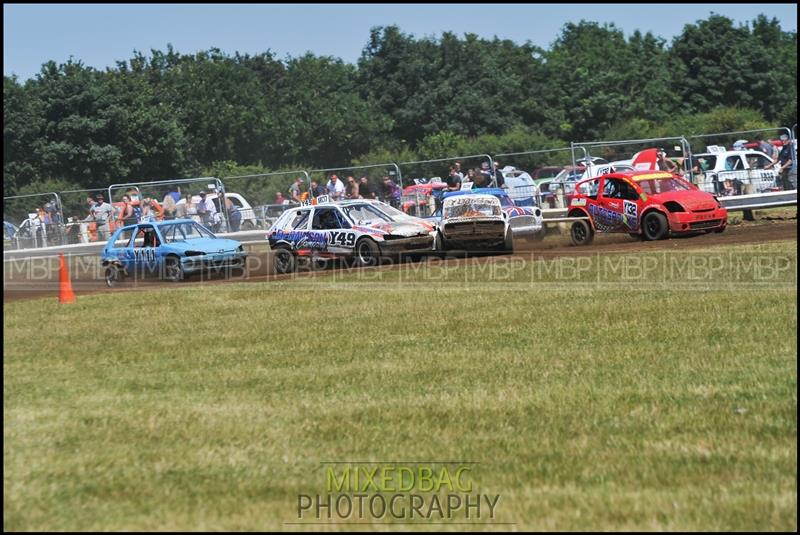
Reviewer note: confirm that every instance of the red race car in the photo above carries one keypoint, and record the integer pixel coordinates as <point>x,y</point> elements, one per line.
<point>650,204</point>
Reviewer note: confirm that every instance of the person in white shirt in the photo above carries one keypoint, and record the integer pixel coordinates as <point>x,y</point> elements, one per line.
<point>335,188</point>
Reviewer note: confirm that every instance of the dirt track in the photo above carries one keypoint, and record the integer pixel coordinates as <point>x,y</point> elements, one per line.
<point>552,247</point>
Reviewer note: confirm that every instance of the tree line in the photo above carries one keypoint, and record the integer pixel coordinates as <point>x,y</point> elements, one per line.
<point>172,115</point>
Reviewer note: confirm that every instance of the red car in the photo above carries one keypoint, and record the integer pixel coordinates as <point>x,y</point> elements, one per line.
<point>650,204</point>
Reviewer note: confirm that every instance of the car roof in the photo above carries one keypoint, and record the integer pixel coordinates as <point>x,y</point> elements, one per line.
<point>477,191</point>
<point>159,223</point>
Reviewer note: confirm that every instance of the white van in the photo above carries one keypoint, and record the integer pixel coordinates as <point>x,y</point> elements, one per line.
<point>745,166</point>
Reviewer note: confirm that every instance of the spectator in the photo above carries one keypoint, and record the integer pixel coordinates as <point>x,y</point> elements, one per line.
<point>486,171</point>
<point>127,214</point>
<point>477,179</point>
<point>280,199</point>
<point>88,219</point>
<point>169,204</point>
<point>457,167</point>
<point>151,210</point>
<point>499,180</point>
<point>202,210</point>
<point>133,193</point>
<point>234,215</point>
<point>665,164</point>
<point>296,190</point>
<point>315,190</point>
<point>185,209</point>
<point>784,163</point>
<point>391,191</point>
<point>365,190</point>
<point>453,180</point>
<point>175,193</point>
<point>103,214</point>
<point>351,190</point>
<point>767,148</point>
<point>335,188</point>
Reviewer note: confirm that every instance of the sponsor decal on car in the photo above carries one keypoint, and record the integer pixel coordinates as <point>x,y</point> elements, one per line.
<point>578,202</point>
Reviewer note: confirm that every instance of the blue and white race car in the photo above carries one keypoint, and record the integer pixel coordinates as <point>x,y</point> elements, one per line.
<point>524,221</point>
<point>171,250</point>
<point>363,231</point>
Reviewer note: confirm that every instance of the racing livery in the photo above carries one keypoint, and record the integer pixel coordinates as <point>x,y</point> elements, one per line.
<point>647,204</point>
<point>525,221</point>
<point>358,230</point>
<point>172,250</point>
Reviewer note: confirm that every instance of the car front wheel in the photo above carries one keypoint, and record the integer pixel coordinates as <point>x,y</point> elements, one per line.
<point>367,252</point>
<point>114,275</point>
<point>173,269</point>
<point>654,226</point>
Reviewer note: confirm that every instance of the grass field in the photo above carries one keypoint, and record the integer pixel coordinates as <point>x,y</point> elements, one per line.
<point>597,398</point>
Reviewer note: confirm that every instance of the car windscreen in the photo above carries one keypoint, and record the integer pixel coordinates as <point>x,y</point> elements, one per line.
<point>362,214</point>
<point>391,211</point>
<point>466,207</point>
<point>653,186</point>
<point>184,231</point>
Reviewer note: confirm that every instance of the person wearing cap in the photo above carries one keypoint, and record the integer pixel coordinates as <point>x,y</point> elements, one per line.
<point>296,190</point>
<point>335,188</point>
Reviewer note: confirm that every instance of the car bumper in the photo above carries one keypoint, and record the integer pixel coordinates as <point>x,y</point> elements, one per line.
<point>414,244</point>
<point>525,225</point>
<point>695,221</point>
<point>196,264</point>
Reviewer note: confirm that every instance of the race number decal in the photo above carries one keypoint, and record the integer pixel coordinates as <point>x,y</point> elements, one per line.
<point>342,239</point>
<point>323,198</point>
<point>630,214</point>
<point>144,254</point>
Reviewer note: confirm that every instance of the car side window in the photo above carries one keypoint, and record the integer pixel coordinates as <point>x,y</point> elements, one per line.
<point>300,220</point>
<point>757,161</point>
<point>590,188</point>
<point>733,163</point>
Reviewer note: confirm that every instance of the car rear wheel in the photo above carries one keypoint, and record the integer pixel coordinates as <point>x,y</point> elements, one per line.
<point>581,233</point>
<point>654,226</point>
<point>367,252</point>
<point>114,275</point>
<point>283,260</point>
<point>173,269</point>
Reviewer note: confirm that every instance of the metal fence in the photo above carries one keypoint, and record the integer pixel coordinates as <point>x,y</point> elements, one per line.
<point>258,200</point>
<point>425,180</point>
<point>382,181</point>
<point>41,220</point>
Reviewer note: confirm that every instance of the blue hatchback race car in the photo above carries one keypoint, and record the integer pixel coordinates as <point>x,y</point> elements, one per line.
<point>170,250</point>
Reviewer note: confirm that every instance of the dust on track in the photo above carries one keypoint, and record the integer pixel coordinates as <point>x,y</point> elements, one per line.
<point>554,246</point>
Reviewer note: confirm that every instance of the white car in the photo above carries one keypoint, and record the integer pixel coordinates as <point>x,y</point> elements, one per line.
<point>722,169</point>
<point>474,222</point>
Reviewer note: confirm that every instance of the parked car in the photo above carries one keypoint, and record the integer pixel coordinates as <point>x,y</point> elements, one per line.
<point>728,172</point>
<point>520,186</point>
<point>172,250</point>
<point>646,204</point>
<point>422,199</point>
<point>353,230</point>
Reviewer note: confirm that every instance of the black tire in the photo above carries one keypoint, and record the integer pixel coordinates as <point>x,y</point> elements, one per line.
<point>248,225</point>
<point>173,269</point>
<point>284,260</point>
<point>114,275</point>
<point>508,245</point>
<point>654,226</point>
<point>366,252</point>
<point>581,233</point>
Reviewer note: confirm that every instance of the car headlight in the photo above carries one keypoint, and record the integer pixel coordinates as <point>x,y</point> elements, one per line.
<point>194,253</point>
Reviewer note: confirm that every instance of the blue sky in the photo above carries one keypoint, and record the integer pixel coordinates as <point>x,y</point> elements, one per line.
<point>99,35</point>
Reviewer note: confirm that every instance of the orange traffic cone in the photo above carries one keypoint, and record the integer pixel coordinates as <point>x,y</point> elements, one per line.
<point>65,293</point>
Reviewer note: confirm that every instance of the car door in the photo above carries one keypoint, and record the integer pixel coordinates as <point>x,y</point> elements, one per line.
<point>144,243</point>
<point>336,228</point>
<point>618,206</point>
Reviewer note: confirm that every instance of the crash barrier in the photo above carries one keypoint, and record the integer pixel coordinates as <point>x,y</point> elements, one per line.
<point>425,180</point>
<point>255,201</point>
<point>41,215</point>
<point>170,199</point>
<point>533,177</point>
<point>370,182</point>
